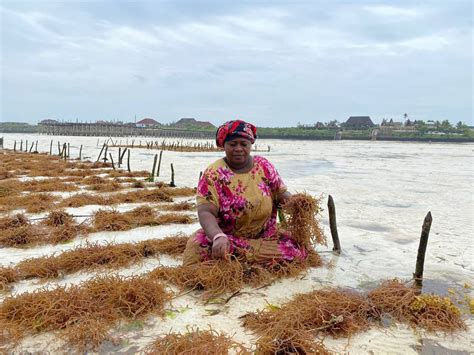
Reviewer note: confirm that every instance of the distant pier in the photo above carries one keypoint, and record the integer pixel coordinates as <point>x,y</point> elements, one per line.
<point>118,130</point>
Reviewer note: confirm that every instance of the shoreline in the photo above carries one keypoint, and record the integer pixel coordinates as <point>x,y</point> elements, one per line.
<point>440,139</point>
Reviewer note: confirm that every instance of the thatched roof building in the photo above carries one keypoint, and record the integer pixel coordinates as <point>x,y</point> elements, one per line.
<point>359,122</point>
<point>148,122</point>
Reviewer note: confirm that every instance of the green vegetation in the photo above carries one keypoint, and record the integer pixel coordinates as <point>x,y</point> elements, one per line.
<point>18,127</point>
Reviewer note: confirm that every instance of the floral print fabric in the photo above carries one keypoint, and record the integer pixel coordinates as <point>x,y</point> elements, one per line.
<point>245,201</point>
<point>247,213</point>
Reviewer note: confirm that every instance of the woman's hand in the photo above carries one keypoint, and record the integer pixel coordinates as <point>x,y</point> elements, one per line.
<point>283,198</point>
<point>220,247</point>
<point>207,214</point>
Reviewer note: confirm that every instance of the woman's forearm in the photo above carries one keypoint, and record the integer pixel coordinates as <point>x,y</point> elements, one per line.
<point>209,223</point>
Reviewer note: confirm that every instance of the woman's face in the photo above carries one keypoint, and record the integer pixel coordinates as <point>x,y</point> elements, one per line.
<point>237,151</point>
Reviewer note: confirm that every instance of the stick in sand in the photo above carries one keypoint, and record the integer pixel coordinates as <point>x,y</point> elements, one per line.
<point>159,164</point>
<point>333,225</point>
<point>420,258</point>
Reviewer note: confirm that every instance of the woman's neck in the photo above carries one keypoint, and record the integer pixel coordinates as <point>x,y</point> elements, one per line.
<point>247,166</point>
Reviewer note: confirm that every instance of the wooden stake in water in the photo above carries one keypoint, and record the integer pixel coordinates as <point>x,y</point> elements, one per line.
<point>98,158</point>
<point>159,164</point>
<point>420,258</point>
<point>128,160</point>
<point>14,146</point>
<point>152,175</point>
<point>112,161</point>
<point>36,147</point>
<point>105,152</point>
<point>51,147</point>
<point>119,161</point>
<point>123,154</point>
<point>21,145</point>
<point>172,176</point>
<point>80,153</point>
<point>333,225</point>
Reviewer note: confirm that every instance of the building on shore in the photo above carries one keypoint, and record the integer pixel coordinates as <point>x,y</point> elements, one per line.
<point>358,122</point>
<point>148,122</point>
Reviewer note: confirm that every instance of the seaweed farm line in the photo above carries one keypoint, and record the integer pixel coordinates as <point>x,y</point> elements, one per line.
<point>178,146</point>
<point>382,192</point>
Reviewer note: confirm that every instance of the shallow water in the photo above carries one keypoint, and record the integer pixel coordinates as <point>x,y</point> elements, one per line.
<point>382,191</point>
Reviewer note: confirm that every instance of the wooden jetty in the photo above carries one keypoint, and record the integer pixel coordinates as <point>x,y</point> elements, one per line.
<point>109,129</point>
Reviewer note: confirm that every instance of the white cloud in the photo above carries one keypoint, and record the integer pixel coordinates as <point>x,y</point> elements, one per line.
<point>264,60</point>
<point>395,12</point>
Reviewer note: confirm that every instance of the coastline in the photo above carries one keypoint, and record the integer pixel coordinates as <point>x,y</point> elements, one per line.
<point>204,135</point>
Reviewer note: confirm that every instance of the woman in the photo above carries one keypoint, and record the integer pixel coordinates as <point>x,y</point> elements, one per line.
<point>237,200</point>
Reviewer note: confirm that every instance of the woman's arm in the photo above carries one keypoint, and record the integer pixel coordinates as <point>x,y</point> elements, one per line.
<point>207,214</point>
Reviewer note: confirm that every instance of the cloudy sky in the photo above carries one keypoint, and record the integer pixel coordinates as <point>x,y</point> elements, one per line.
<point>274,63</point>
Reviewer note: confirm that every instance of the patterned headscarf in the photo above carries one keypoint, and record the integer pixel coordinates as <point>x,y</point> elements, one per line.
<point>235,128</point>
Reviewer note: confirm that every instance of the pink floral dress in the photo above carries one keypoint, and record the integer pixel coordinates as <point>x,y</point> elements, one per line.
<point>247,213</point>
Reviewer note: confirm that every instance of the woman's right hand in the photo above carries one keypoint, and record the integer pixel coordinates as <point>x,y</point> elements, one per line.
<point>207,214</point>
<point>220,247</point>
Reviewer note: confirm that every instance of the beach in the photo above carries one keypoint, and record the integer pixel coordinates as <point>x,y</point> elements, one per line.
<point>382,192</point>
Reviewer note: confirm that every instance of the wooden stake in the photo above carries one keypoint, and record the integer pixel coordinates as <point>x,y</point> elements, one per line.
<point>51,148</point>
<point>172,176</point>
<point>105,153</point>
<point>112,161</point>
<point>119,161</point>
<point>123,154</point>
<point>14,146</point>
<point>420,258</point>
<point>128,160</point>
<point>100,153</point>
<point>21,145</point>
<point>152,175</point>
<point>159,164</point>
<point>26,146</point>
<point>333,225</point>
<point>80,153</point>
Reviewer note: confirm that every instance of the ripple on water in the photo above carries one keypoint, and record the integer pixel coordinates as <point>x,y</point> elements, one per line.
<point>372,227</point>
<point>430,346</point>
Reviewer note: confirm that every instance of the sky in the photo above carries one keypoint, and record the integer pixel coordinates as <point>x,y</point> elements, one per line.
<point>272,63</point>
